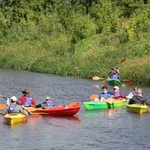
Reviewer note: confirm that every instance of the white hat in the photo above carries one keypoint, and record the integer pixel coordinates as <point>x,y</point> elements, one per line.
<point>14,98</point>
<point>48,98</point>
<point>116,87</point>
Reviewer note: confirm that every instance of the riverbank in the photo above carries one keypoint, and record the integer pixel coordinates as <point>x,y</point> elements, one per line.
<point>90,57</point>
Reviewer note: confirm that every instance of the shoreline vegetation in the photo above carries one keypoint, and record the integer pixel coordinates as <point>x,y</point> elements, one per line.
<point>76,38</point>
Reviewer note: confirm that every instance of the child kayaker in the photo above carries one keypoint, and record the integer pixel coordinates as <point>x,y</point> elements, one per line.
<point>104,95</point>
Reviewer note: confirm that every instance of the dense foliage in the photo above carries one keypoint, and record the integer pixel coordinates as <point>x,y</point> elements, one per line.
<point>76,37</point>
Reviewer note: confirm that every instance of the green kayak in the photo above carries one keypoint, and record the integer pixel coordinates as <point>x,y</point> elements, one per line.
<point>92,105</point>
<point>114,81</point>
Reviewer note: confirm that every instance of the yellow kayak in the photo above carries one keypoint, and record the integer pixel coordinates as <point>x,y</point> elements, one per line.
<point>13,118</point>
<point>137,108</point>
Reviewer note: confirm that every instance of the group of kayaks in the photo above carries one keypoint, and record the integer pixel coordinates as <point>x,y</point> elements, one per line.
<point>68,110</point>
<point>73,108</point>
<point>112,103</point>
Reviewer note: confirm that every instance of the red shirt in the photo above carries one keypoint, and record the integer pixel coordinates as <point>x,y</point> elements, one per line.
<point>23,100</point>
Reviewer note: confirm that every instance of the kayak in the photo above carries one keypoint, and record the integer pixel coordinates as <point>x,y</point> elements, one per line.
<point>137,108</point>
<point>13,118</point>
<point>111,103</point>
<point>113,81</point>
<point>68,110</point>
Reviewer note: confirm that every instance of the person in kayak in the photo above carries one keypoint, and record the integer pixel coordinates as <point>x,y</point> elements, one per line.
<point>46,104</point>
<point>15,108</point>
<point>117,94</point>
<point>138,98</point>
<point>104,95</point>
<point>113,74</point>
<point>26,99</point>
<point>133,93</point>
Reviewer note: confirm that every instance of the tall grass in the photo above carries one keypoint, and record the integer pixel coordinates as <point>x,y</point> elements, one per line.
<point>93,56</point>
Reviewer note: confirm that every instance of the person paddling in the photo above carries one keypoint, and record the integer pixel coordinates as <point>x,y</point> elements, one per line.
<point>133,93</point>
<point>113,74</point>
<point>46,104</point>
<point>26,99</point>
<point>117,94</point>
<point>104,95</point>
<point>15,108</point>
<point>139,99</point>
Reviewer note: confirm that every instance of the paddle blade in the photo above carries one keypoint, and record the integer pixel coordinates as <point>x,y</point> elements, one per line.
<point>122,60</point>
<point>74,104</point>
<point>93,96</point>
<point>127,80</point>
<point>104,81</point>
<point>2,106</point>
<point>96,78</point>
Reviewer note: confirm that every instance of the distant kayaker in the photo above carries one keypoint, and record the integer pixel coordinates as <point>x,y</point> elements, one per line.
<point>114,74</point>
<point>133,93</point>
<point>15,108</point>
<point>26,99</point>
<point>104,95</point>
<point>117,94</point>
<point>139,99</point>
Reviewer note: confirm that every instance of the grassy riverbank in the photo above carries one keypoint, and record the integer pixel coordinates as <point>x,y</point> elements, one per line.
<point>89,57</point>
<point>76,38</point>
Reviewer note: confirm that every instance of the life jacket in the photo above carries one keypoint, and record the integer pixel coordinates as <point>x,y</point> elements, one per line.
<point>134,93</point>
<point>49,104</point>
<point>28,101</point>
<point>119,93</point>
<point>11,108</point>
<point>105,95</point>
<point>114,76</point>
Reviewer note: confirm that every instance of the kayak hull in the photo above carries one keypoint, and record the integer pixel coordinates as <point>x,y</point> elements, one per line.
<point>13,118</point>
<point>137,108</point>
<point>113,81</point>
<point>92,105</point>
<point>56,111</point>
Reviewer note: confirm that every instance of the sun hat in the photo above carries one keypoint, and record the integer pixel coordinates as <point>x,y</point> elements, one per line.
<point>116,87</point>
<point>47,98</point>
<point>13,98</point>
<point>26,91</point>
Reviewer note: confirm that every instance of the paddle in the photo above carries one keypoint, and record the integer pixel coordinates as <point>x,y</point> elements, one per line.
<point>74,104</point>
<point>93,96</point>
<point>123,60</point>
<point>2,106</point>
<point>98,78</point>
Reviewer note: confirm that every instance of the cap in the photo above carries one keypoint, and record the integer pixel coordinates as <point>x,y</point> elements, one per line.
<point>13,98</point>
<point>116,87</point>
<point>47,98</point>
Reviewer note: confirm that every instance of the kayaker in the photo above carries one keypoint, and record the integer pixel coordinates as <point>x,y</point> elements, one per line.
<point>113,74</point>
<point>46,104</point>
<point>15,108</point>
<point>117,94</point>
<point>133,93</point>
<point>26,99</point>
<point>8,102</point>
<point>104,95</point>
<point>139,99</point>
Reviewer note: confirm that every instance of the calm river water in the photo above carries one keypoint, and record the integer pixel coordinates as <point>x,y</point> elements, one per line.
<point>114,129</point>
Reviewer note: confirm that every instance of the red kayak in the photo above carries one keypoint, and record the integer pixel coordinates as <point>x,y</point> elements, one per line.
<point>68,110</point>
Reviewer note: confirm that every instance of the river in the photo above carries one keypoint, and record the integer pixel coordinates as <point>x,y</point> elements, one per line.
<point>114,129</point>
